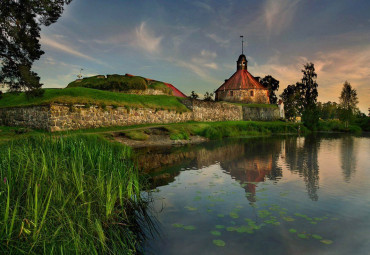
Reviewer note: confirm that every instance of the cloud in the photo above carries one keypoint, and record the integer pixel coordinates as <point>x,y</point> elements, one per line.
<point>66,49</point>
<point>333,69</point>
<point>220,41</point>
<point>204,6</point>
<point>278,14</point>
<point>146,40</point>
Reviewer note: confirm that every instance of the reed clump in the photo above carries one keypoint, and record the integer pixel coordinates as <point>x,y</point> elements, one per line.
<point>69,195</point>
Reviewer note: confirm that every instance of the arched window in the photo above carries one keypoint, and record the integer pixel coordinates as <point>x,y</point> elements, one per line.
<point>252,93</point>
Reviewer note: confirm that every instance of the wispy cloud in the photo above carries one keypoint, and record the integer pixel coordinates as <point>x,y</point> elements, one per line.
<point>145,39</point>
<point>66,48</point>
<point>220,41</point>
<point>278,14</point>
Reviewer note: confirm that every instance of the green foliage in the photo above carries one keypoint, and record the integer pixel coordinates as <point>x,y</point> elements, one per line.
<point>328,110</point>
<point>113,82</point>
<point>194,95</point>
<point>208,96</point>
<point>219,130</point>
<point>180,136</point>
<point>272,85</point>
<point>310,117</point>
<point>71,194</point>
<point>348,101</point>
<point>93,97</point>
<point>20,23</point>
<point>157,85</point>
<point>337,126</point>
<point>290,97</point>
<point>138,135</point>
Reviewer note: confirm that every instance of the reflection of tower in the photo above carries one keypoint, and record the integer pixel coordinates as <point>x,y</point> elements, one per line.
<point>255,165</point>
<point>348,158</point>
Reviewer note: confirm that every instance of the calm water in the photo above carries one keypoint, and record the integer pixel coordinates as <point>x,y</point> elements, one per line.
<point>286,195</point>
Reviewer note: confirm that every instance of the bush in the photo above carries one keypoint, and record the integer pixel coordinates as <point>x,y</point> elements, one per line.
<point>136,135</point>
<point>180,136</point>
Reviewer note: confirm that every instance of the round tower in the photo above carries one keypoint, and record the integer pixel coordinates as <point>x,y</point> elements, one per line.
<point>242,63</point>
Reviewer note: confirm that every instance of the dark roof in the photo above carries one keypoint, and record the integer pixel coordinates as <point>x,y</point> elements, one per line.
<point>241,79</point>
<point>242,57</point>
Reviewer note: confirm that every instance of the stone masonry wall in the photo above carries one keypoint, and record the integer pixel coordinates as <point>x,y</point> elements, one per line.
<point>78,117</point>
<point>264,114</point>
<point>33,116</point>
<point>214,111</point>
<point>62,117</point>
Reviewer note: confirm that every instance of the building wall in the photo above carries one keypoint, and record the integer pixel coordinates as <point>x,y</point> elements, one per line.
<point>260,96</point>
<point>62,117</point>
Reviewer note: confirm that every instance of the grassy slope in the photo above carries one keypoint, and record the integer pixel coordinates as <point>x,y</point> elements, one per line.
<point>93,96</point>
<point>126,83</point>
<point>69,195</point>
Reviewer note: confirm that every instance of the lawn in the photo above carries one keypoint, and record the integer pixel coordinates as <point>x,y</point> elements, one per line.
<point>79,95</point>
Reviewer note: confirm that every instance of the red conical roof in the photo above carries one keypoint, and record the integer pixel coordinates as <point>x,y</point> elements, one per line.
<point>241,79</point>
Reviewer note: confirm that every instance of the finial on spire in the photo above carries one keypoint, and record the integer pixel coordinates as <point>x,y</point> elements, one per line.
<point>242,36</point>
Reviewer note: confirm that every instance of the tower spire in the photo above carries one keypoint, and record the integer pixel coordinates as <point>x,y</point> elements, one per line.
<point>242,36</point>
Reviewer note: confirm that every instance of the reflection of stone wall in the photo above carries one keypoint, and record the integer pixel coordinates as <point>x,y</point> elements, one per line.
<point>34,117</point>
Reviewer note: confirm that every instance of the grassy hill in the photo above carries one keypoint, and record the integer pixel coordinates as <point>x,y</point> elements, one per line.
<point>80,95</point>
<point>121,83</point>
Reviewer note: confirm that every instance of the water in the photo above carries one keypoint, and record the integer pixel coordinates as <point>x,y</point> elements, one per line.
<point>285,195</point>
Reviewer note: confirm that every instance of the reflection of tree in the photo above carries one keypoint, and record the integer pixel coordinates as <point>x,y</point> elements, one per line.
<point>348,158</point>
<point>301,157</point>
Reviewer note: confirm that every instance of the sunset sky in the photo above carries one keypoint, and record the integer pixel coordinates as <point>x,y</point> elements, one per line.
<point>195,44</point>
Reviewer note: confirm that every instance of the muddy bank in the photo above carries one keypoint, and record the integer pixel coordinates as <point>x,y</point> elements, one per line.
<point>153,137</point>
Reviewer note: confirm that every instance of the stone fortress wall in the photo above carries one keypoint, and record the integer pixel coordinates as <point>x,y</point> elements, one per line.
<point>57,117</point>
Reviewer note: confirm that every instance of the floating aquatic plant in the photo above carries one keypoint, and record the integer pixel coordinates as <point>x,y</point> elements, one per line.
<point>219,243</point>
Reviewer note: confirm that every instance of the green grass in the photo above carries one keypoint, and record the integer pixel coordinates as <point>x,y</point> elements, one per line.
<point>219,130</point>
<point>337,126</point>
<point>94,97</point>
<point>68,195</point>
<point>138,135</point>
<point>120,83</point>
<point>113,82</point>
<point>257,105</point>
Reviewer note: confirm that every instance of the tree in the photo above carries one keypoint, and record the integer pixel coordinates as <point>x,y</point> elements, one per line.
<point>348,102</point>
<point>308,97</point>
<point>272,85</point>
<point>290,97</point>
<point>208,96</point>
<point>194,95</point>
<point>20,25</point>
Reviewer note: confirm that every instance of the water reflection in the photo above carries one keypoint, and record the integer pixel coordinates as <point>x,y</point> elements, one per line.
<point>249,161</point>
<point>301,157</point>
<point>348,157</point>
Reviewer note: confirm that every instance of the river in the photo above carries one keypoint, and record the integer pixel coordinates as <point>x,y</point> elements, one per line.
<point>272,195</point>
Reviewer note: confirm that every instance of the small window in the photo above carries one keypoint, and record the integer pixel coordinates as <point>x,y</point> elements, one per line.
<point>252,93</point>
<point>231,93</point>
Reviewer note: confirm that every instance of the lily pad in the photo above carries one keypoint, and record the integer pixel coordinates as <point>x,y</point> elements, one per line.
<point>191,208</point>
<point>216,233</point>
<point>190,227</point>
<point>197,198</point>
<point>177,225</point>
<point>220,215</point>
<point>219,243</point>
<point>219,226</point>
<point>288,218</point>
<point>230,229</point>
<point>326,241</point>
<point>292,230</point>
<point>303,236</point>
<point>234,215</point>
<point>318,237</point>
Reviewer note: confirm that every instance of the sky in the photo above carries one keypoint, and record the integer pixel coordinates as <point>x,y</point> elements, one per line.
<point>195,44</point>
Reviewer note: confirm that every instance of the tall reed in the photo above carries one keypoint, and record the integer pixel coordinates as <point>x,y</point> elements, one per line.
<point>68,195</point>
